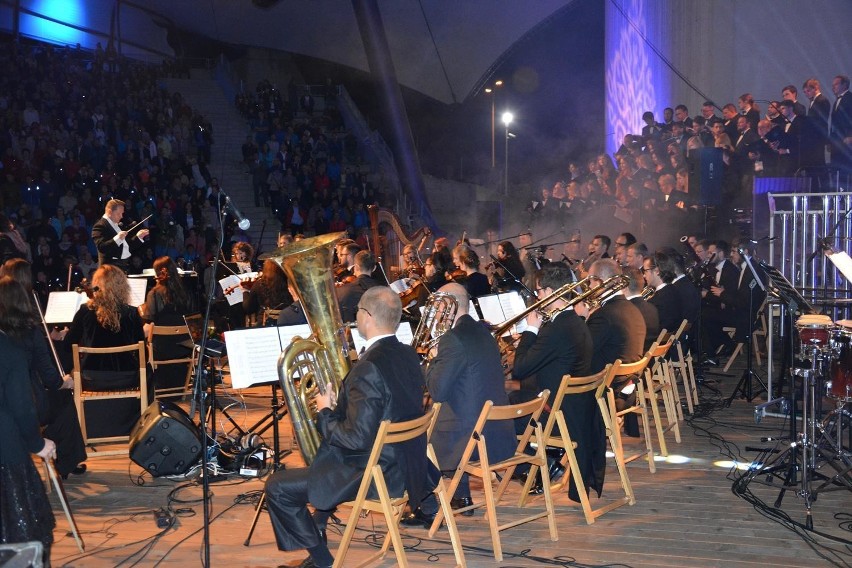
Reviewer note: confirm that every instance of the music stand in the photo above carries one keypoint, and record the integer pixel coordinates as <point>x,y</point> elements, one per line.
<point>745,384</point>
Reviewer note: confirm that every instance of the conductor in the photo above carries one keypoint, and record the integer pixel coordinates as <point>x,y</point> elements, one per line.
<point>114,246</point>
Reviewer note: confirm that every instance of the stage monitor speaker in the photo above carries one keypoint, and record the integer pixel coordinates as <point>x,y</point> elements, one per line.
<point>706,169</point>
<point>165,441</point>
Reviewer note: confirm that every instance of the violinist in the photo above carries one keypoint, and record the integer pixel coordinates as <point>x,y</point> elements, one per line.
<point>349,294</point>
<point>345,271</point>
<point>435,271</point>
<point>241,255</point>
<point>166,304</point>
<point>269,291</point>
<point>467,272</point>
<point>508,278</point>
<point>413,267</point>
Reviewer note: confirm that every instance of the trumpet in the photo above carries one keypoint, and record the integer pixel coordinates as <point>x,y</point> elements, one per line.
<point>647,292</point>
<point>561,293</point>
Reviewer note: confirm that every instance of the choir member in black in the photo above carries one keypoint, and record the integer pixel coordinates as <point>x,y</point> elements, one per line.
<point>268,292</point>
<point>618,332</point>
<point>107,320</point>
<point>165,305</point>
<point>547,351</point>
<point>467,272</point>
<point>52,392</point>
<point>25,512</point>
<point>510,277</point>
<point>649,310</point>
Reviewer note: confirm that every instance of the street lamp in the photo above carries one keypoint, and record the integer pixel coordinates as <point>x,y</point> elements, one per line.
<point>493,93</point>
<point>507,120</point>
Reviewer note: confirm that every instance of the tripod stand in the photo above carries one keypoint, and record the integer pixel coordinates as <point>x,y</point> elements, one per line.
<point>745,384</point>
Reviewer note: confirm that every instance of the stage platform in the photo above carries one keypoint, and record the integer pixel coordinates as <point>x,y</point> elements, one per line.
<point>685,514</point>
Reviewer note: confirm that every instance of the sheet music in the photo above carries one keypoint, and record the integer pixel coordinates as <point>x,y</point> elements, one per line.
<point>61,306</point>
<point>403,333</point>
<point>471,310</point>
<point>843,263</point>
<point>253,353</point>
<point>497,308</point>
<point>138,287</point>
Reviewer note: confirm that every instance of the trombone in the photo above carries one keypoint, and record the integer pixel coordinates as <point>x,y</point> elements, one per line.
<point>561,293</point>
<point>593,297</point>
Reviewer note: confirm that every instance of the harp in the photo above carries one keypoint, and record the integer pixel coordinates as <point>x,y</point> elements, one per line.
<point>388,237</point>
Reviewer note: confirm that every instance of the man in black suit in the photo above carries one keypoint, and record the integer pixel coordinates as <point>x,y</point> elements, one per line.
<point>550,350</point>
<point>790,93</point>
<point>386,383</point>
<point>618,332</point>
<point>690,298</point>
<point>349,293</point>
<point>666,298</point>
<point>819,109</point>
<point>743,300</point>
<point>649,311</point>
<point>715,314</point>
<point>840,136</point>
<point>111,240</point>
<point>465,371</point>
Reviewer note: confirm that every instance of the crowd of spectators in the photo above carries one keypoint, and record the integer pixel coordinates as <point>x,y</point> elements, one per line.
<point>646,184</point>
<point>295,154</point>
<point>79,127</point>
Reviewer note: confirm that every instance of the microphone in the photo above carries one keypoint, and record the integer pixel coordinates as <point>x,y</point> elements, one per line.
<point>242,222</point>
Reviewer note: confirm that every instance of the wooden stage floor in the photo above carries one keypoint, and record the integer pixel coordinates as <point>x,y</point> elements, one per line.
<point>685,514</point>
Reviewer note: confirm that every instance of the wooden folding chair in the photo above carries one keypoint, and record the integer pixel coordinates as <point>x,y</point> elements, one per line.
<point>391,507</point>
<point>82,396</point>
<point>658,380</point>
<point>606,400</point>
<point>484,469</point>
<point>682,366</point>
<point>175,332</point>
<point>575,386</point>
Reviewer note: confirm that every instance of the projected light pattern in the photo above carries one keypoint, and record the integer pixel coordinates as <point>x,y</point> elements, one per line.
<point>67,11</point>
<point>632,82</point>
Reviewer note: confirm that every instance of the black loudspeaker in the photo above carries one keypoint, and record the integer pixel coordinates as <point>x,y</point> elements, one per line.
<point>165,441</point>
<point>706,170</point>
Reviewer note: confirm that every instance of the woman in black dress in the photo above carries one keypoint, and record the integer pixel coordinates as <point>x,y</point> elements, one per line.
<point>467,261</point>
<point>25,513</point>
<point>108,321</point>
<point>53,393</point>
<point>268,291</point>
<point>166,304</point>
<point>510,277</point>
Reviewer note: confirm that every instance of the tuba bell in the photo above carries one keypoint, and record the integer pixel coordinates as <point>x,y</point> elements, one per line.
<point>307,365</point>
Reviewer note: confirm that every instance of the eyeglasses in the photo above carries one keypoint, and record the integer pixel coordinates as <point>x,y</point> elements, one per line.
<point>620,244</point>
<point>366,310</point>
<point>645,270</point>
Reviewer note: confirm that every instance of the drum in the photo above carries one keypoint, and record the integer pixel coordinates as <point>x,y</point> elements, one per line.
<point>814,331</point>
<point>839,384</point>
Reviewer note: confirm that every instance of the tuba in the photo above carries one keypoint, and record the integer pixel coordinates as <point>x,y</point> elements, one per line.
<point>307,365</point>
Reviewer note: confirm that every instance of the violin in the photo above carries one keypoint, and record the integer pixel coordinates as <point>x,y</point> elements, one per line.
<point>246,284</point>
<point>349,279</point>
<point>87,288</point>
<point>458,275</point>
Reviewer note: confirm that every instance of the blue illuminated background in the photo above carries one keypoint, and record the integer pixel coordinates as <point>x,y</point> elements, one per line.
<point>635,82</point>
<point>74,12</point>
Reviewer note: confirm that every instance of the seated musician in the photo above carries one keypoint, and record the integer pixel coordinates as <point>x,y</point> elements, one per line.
<point>241,255</point>
<point>649,310</point>
<point>659,274</point>
<point>465,371</point>
<point>598,249</point>
<point>346,268</point>
<point>467,263</point>
<point>386,383</point>
<point>292,314</point>
<point>268,292</point>
<point>166,304</point>
<point>618,332</point>
<point>52,392</point>
<point>108,321</point>
<point>413,267</point>
<point>349,293</point>
<point>744,301</point>
<point>435,271</point>
<point>509,276</point>
<point>550,350</point>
